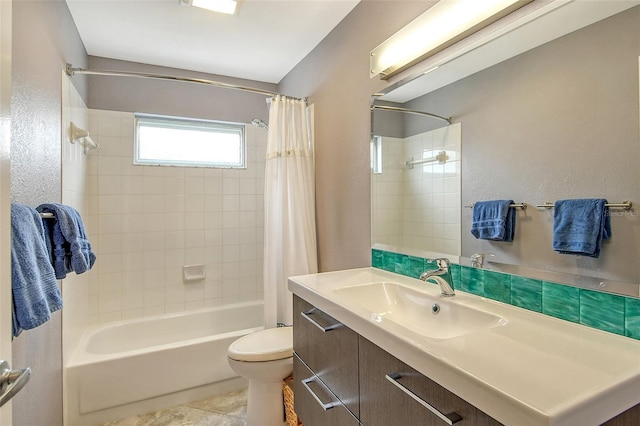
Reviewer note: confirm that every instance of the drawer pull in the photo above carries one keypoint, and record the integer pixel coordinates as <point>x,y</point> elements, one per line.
<point>312,321</point>
<point>325,406</point>
<point>449,419</point>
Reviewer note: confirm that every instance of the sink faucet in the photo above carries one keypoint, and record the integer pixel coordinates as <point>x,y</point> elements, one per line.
<point>441,276</point>
<point>477,259</point>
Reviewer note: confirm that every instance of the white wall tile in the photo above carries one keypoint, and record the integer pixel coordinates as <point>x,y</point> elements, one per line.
<point>404,199</point>
<point>151,220</point>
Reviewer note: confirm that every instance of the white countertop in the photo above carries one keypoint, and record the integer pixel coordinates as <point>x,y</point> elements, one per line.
<point>534,370</point>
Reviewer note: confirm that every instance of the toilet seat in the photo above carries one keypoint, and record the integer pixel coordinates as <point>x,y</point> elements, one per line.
<point>265,345</point>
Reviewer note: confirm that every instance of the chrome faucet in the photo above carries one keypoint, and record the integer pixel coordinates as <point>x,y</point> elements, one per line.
<point>477,259</point>
<point>441,276</point>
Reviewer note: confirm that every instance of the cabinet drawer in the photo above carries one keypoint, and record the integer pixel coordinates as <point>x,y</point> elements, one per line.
<point>314,403</point>
<point>391,392</point>
<point>332,354</point>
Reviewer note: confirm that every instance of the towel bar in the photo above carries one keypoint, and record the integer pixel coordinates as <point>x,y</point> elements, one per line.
<point>626,205</point>
<point>441,158</point>
<point>522,206</point>
<point>46,215</point>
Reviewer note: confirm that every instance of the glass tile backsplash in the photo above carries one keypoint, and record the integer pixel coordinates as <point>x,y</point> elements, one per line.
<point>604,311</point>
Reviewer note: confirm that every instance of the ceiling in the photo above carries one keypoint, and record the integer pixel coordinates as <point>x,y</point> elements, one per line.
<point>264,41</point>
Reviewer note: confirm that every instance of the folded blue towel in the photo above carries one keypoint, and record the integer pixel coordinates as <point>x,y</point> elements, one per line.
<point>35,291</point>
<point>579,226</point>
<point>70,250</point>
<point>494,220</point>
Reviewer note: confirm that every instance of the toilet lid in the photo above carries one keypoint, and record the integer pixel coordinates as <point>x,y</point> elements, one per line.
<point>265,345</point>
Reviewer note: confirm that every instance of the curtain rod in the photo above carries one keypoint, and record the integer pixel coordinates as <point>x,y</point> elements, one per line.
<point>71,71</point>
<point>410,111</point>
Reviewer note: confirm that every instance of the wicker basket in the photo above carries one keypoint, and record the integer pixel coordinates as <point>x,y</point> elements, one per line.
<point>287,390</point>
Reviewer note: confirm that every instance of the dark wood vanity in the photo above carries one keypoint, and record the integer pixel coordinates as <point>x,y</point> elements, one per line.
<point>341,378</point>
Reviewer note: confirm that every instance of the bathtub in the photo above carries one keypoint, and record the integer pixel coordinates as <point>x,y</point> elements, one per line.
<point>130,367</point>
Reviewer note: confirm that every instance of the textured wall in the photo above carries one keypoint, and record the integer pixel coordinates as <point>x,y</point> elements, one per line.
<point>335,76</point>
<point>5,198</point>
<point>44,39</point>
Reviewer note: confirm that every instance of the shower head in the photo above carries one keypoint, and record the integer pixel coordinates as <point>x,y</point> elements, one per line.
<point>259,123</point>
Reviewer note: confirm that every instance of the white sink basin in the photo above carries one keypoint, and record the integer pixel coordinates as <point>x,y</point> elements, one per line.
<point>426,314</point>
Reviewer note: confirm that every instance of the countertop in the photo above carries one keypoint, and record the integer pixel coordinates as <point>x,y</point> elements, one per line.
<point>533,370</point>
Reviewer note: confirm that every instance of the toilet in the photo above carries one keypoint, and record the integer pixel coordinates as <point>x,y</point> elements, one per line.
<point>264,358</point>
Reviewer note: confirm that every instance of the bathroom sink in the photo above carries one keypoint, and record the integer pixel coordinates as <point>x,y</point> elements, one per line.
<point>426,314</point>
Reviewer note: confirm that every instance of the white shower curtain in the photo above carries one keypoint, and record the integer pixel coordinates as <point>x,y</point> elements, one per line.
<point>289,198</point>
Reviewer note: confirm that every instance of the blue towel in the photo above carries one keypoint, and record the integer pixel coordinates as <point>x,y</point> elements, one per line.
<point>35,291</point>
<point>70,250</point>
<point>579,226</point>
<point>494,220</point>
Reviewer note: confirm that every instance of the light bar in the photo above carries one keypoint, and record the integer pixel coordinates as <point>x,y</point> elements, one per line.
<point>444,24</point>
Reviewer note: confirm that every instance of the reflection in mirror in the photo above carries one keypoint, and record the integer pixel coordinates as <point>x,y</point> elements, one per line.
<point>559,121</point>
<point>416,191</point>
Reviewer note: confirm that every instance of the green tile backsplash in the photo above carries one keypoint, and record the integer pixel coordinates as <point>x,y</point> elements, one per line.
<point>526,293</point>
<point>561,301</point>
<point>604,311</point>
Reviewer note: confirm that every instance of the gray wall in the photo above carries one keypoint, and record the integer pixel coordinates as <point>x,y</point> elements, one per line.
<point>171,98</point>
<point>335,76</point>
<point>560,121</point>
<point>44,39</point>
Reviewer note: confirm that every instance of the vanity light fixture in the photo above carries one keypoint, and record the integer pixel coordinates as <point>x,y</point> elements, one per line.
<point>222,6</point>
<point>441,26</point>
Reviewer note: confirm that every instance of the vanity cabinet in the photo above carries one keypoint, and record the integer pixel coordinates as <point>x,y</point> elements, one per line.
<point>391,392</point>
<point>315,404</point>
<point>326,352</point>
<point>340,378</point>
<point>343,379</point>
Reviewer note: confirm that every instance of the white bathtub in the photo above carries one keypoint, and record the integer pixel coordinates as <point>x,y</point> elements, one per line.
<point>130,367</point>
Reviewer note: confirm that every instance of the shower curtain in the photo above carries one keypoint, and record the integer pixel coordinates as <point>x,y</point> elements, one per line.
<point>289,198</point>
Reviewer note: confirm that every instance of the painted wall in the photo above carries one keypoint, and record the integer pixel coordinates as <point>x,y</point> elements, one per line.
<point>171,98</point>
<point>335,76</point>
<point>44,39</point>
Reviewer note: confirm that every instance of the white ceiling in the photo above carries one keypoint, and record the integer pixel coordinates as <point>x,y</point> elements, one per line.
<point>263,41</point>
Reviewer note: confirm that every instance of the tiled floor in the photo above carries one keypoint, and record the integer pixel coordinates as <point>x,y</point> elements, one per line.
<point>223,410</point>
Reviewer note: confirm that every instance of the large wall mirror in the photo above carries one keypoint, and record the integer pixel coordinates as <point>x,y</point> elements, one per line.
<point>544,111</point>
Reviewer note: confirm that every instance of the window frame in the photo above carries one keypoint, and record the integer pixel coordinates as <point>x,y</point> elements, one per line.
<point>376,154</point>
<point>173,122</point>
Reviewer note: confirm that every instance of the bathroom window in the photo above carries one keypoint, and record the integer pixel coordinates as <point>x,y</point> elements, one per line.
<point>376,154</point>
<point>175,141</point>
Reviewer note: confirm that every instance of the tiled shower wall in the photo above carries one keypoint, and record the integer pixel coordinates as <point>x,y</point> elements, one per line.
<point>419,207</point>
<point>75,192</point>
<point>153,220</point>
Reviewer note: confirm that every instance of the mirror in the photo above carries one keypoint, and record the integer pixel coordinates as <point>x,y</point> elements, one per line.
<point>555,118</point>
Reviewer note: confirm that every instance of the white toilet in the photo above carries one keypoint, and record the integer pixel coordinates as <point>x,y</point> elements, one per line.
<point>265,358</point>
